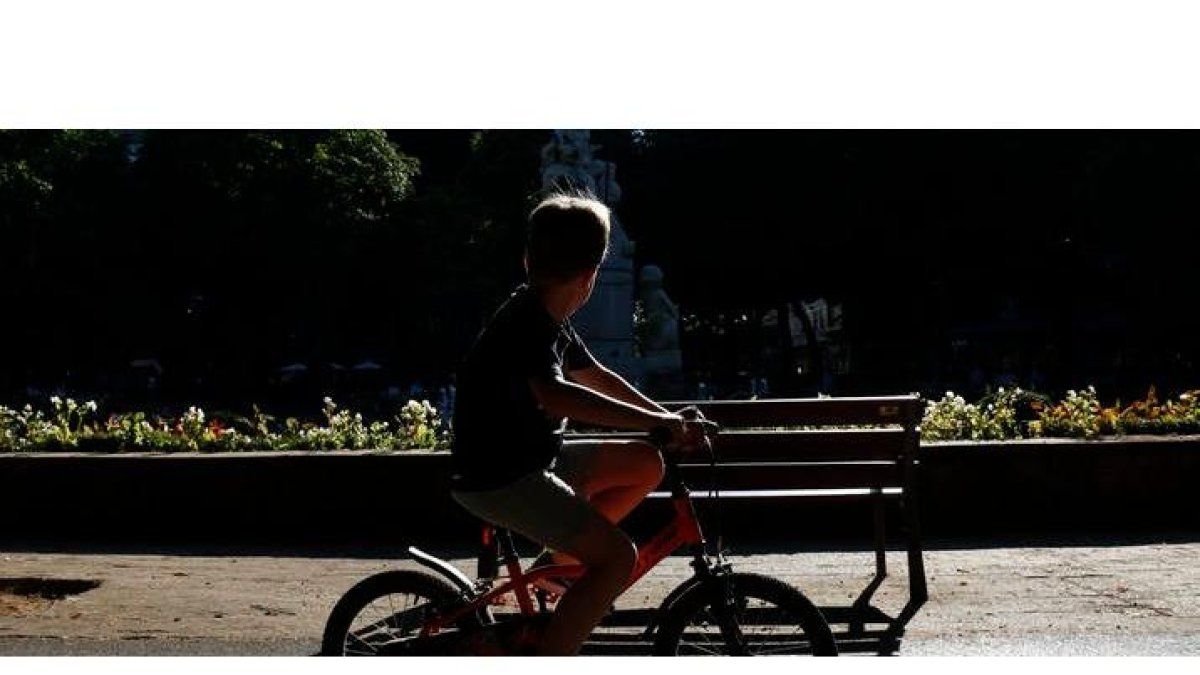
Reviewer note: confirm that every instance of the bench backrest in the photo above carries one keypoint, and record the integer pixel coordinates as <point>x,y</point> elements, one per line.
<point>811,443</point>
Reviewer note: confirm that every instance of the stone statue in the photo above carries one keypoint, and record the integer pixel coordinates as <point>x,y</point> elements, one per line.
<point>606,321</point>
<point>662,315</point>
<point>569,161</point>
<point>662,360</point>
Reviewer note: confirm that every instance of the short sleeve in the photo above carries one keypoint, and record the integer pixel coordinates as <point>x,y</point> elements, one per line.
<point>577,356</point>
<point>535,352</point>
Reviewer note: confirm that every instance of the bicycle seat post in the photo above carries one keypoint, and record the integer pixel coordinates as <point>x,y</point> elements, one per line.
<point>486,563</point>
<point>508,550</point>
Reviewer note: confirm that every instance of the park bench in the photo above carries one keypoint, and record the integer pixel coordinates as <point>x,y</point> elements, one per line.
<point>834,450</point>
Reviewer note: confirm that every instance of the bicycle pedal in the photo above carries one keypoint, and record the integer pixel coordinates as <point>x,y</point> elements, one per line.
<point>550,587</point>
<point>545,598</point>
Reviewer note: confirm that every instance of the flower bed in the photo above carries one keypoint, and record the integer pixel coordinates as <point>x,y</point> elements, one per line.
<point>73,427</point>
<point>1016,414</point>
<point>1010,414</point>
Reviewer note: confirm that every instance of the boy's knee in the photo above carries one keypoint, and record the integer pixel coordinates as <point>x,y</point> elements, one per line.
<point>621,552</point>
<point>627,553</point>
<point>651,462</point>
<point>608,548</point>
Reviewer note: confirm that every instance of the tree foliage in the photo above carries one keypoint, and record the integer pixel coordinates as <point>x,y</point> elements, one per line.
<point>227,254</point>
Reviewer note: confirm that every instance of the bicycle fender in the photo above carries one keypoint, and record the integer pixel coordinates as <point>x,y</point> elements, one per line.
<point>450,572</point>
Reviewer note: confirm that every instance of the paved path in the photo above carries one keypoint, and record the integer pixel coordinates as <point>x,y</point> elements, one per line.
<point>1139,599</point>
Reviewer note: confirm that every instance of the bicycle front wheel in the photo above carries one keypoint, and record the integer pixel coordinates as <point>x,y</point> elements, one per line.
<point>383,615</point>
<point>744,614</point>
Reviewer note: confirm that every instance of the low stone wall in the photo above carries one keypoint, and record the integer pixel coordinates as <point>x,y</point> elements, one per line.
<point>1125,483</point>
<point>974,489</point>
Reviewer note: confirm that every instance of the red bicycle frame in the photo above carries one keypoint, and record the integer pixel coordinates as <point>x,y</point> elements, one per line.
<point>683,529</point>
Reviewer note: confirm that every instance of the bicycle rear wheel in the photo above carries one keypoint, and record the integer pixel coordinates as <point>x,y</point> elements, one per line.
<point>744,614</point>
<point>383,614</point>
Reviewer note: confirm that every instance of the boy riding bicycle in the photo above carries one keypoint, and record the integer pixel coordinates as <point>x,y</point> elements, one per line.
<point>527,373</point>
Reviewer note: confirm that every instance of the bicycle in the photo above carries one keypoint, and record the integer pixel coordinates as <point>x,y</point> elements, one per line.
<point>715,612</point>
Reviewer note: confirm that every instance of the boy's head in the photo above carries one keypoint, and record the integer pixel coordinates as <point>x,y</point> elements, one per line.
<point>568,237</point>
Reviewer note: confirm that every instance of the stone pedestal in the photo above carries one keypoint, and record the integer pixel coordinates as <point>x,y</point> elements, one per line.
<point>662,374</point>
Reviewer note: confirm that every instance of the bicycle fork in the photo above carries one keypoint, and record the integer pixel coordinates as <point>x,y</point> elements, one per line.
<point>726,609</point>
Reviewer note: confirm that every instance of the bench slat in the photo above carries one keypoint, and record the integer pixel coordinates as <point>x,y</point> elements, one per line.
<point>822,494</point>
<point>768,475</point>
<point>815,411</point>
<point>785,446</point>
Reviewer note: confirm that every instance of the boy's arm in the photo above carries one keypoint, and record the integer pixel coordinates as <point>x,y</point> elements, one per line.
<point>561,398</point>
<point>605,381</point>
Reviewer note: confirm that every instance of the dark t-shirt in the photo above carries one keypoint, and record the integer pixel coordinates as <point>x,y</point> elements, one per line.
<point>500,432</point>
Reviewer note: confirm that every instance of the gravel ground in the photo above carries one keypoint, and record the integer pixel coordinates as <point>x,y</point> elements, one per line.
<point>1135,599</point>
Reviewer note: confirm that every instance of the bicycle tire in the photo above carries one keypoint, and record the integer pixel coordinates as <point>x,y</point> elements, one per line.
<point>382,615</point>
<point>772,617</point>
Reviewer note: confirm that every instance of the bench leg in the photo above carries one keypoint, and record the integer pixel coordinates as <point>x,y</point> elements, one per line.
<point>916,559</point>
<point>859,610</point>
<point>917,591</point>
<point>880,541</point>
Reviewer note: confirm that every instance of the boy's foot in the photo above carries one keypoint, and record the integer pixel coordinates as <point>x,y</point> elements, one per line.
<point>525,641</point>
<point>554,587</point>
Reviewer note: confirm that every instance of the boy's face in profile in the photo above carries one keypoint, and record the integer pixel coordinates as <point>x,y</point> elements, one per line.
<point>583,285</point>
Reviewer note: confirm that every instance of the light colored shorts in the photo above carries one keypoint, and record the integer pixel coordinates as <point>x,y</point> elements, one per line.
<point>542,506</point>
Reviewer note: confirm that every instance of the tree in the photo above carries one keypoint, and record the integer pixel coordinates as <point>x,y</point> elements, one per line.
<point>58,191</point>
<point>257,238</point>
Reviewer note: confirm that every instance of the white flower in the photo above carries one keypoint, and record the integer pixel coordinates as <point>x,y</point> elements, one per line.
<point>56,400</point>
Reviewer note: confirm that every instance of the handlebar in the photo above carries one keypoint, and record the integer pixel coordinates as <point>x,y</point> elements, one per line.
<point>661,436</point>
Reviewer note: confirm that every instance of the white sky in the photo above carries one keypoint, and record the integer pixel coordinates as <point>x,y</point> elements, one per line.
<point>619,63</point>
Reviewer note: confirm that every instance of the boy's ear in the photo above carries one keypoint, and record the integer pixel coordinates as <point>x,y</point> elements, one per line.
<point>588,277</point>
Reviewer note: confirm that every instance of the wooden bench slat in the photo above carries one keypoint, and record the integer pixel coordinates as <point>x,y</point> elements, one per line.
<point>815,411</point>
<point>801,445</point>
<point>767,475</point>
<point>822,494</point>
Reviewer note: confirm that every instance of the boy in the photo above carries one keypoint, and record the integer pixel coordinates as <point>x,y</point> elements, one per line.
<point>527,371</point>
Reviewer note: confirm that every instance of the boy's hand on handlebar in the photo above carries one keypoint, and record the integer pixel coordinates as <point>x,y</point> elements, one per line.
<point>688,430</point>
<point>676,426</point>
<point>695,436</point>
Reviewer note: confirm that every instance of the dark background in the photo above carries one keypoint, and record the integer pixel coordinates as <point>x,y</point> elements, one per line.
<point>961,259</point>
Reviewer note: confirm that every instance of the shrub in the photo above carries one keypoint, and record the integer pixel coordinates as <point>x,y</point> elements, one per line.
<point>1149,416</point>
<point>419,424</point>
<point>1078,416</point>
<point>998,416</point>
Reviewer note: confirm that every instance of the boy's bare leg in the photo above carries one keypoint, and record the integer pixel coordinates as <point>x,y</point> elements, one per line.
<point>620,477</point>
<point>609,556</point>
